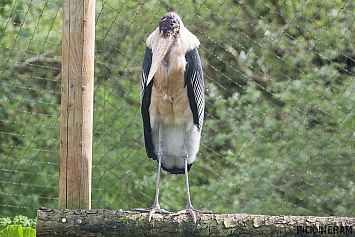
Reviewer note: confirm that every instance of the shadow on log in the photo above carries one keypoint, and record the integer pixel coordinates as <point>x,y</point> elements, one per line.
<point>64,222</point>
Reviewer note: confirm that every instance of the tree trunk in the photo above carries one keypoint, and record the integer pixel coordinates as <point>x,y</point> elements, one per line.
<point>64,222</point>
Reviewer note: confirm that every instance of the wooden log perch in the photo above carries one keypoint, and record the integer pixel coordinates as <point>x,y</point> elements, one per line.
<point>64,222</point>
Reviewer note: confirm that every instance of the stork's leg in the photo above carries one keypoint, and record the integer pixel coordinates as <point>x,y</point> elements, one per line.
<point>156,207</point>
<point>189,209</point>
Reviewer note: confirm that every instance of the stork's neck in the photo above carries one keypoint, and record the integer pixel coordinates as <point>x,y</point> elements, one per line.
<point>186,41</point>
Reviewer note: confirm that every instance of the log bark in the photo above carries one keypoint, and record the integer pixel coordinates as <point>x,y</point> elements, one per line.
<point>64,222</point>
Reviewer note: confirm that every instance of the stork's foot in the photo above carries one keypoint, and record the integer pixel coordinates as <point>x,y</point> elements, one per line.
<point>152,210</point>
<point>192,211</point>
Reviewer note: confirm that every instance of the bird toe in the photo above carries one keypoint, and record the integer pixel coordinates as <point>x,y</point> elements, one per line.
<point>152,210</point>
<point>192,212</point>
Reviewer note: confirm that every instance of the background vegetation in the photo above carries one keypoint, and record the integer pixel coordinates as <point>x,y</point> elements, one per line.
<point>19,226</point>
<point>280,118</point>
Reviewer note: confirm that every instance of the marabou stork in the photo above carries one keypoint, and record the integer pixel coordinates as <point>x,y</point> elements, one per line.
<point>172,102</point>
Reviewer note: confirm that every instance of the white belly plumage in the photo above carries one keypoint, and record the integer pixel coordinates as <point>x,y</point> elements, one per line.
<point>173,137</point>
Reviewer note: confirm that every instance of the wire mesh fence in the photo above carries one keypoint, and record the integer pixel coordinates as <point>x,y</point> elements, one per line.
<point>279,127</point>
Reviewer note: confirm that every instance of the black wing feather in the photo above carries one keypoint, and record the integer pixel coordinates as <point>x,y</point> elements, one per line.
<point>146,92</point>
<point>195,86</point>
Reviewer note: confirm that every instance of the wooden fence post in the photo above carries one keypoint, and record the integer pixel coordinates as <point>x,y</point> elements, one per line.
<point>78,44</point>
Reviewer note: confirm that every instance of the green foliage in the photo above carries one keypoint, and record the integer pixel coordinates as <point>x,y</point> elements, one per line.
<point>19,226</point>
<point>278,135</point>
<point>29,98</point>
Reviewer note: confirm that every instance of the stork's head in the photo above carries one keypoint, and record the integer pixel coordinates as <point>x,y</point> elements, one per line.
<point>169,31</point>
<point>169,25</point>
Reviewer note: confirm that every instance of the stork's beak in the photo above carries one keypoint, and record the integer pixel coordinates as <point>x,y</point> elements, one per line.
<point>162,49</point>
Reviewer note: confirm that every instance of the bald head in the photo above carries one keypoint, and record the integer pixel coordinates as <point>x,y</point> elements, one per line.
<point>169,25</point>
